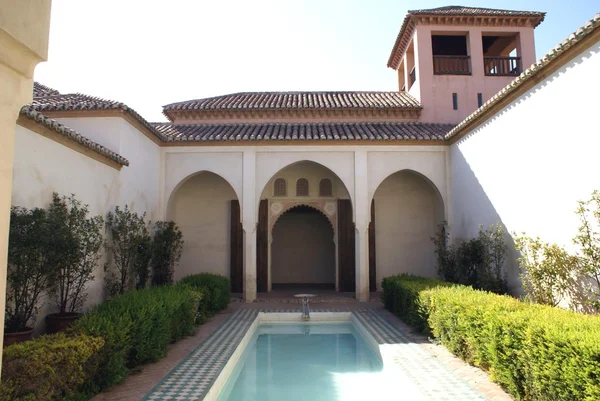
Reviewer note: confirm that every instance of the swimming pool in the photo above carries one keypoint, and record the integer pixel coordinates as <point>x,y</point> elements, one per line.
<point>302,362</point>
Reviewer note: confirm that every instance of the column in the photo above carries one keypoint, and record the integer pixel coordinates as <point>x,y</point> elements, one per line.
<point>249,212</point>
<point>24,30</point>
<point>362,216</point>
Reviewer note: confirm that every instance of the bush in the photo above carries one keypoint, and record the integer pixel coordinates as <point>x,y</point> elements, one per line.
<point>216,289</point>
<point>535,352</point>
<point>48,368</point>
<point>401,296</point>
<point>137,328</point>
<point>127,244</point>
<point>166,251</point>
<point>477,262</point>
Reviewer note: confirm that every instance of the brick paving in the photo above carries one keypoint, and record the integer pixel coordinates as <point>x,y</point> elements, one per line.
<point>137,385</point>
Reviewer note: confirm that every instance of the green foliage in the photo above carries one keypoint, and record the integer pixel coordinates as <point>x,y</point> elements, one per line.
<point>166,251</point>
<point>588,238</point>
<point>29,267</point>
<point>75,246</point>
<point>549,274</point>
<point>128,235</point>
<point>48,368</point>
<point>142,262</point>
<point>137,327</point>
<point>216,288</point>
<point>535,352</point>
<point>401,296</point>
<point>478,262</point>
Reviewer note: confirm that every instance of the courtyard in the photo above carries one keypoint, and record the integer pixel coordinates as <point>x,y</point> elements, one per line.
<point>444,231</point>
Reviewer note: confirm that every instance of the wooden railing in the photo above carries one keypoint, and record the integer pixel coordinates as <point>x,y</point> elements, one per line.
<point>452,65</point>
<point>502,66</point>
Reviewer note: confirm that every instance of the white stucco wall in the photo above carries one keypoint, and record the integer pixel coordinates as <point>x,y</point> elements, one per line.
<point>528,165</point>
<point>138,183</point>
<point>201,207</point>
<point>408,211</point>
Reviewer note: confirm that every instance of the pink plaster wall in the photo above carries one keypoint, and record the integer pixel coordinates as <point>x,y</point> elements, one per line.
<point>435,91</point>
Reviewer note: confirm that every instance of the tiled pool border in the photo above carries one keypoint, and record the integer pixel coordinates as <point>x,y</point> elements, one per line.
<point>193,377</point>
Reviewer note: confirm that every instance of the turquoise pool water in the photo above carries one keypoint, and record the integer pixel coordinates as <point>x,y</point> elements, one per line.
<point>293,362</point>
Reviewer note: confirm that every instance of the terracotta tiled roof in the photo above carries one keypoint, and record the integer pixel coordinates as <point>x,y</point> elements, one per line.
<point>72,135</point>
<point>299,100</point>
<point>43,90</point>
<point>403,38</point>
<point>476,11</point>
<point>78,101</point>
<point>401,131</point>
<point>530,73</point>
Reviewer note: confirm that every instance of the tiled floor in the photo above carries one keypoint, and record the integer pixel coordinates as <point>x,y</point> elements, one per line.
<point>192,364</point>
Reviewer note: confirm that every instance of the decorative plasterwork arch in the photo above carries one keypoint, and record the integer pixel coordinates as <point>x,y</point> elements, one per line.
<point>327,208</point>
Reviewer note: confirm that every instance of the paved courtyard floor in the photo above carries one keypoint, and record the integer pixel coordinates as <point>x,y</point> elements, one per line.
<point>423,367</point>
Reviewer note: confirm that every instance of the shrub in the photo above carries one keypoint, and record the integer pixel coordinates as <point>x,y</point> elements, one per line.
<point>166,251</point>
<point>137,328</point>
<point>216,288</point>
<point>548,272</point>
<point>127,231</point>
<point>48,368</point>
<point>75,246</point>
<point>535,352</point>
<point>588,239</point>
<point>478,262</point>
<point>29,270</point>
<point>401,296</point>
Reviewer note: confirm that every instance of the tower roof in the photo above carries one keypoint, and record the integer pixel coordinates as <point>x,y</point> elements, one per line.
<point>458,15</point>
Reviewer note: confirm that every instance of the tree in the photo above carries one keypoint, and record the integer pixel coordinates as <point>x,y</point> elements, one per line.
<point>588,239</point>
<point>127,231</point>
<point>29,269</point>
<point>75,245</point>
<point>166,251</point>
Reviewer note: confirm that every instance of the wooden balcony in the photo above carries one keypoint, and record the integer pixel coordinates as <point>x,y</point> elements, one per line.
<point>502,66</point>
<point>452,65</point>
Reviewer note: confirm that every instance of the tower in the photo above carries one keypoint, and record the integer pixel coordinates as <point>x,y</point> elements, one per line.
<point>455,58</point>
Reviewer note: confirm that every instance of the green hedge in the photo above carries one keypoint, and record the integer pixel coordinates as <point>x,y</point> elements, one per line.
<point>401,296</point>
<point>535,352</point>
<point>217,291</point>
<point>48,368</point>
<point>137,328</point>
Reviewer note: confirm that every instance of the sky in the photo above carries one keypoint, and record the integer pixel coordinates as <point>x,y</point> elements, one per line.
<point>149,53</point>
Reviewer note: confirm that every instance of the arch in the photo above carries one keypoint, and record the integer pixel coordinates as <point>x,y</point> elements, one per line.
<point>423,176</point>
<point>325,187</point>
<point>303,248</point>
<point>262,189</point>
<point>341,166</point>
<point>169,193</point>
<point>302,188</point>
<point>280,187</point>
<point>408,210</point>
<point>202,206</point>
<point>312,205</point>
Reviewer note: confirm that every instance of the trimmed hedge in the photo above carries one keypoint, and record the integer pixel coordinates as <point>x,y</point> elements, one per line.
<point>535,352</point>
<point>137,327</point>
<point>48,368</point>
<point>217,291</point>
<point>401,296</point>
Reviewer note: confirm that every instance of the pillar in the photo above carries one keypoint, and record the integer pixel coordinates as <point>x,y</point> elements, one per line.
<point>362,217</point>
<point>24,28</point>
<point>249,213</point>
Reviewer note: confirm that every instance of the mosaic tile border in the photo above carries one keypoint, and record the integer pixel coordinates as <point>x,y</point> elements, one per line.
<point>191,379</point>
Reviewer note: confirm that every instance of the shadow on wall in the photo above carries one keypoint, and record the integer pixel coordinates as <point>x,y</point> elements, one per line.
<point>468,219</point>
